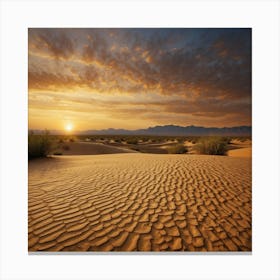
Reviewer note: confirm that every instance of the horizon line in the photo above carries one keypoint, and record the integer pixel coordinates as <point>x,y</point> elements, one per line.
<point>111,128</point>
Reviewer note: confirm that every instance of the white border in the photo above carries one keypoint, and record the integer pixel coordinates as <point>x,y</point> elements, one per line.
<point>17,16</point>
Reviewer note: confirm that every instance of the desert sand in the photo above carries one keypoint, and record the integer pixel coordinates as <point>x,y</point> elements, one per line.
<point>140,202</point>
<point>242,152</point>
<point>240,149</point>
<point>84,148</point>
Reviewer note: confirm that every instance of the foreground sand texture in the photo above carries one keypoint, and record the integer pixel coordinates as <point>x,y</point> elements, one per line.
<point>140,202</point>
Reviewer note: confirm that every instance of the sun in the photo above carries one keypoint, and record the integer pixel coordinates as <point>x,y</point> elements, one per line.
<point>69,127</point>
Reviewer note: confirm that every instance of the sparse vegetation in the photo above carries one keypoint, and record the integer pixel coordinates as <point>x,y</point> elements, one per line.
<point>39,145</point>
<point>226,139</point>
<point>244,138</point>
<point>212,145</point>
<point>133,141</point>
<point>177,149</point>
<point>45,144</point>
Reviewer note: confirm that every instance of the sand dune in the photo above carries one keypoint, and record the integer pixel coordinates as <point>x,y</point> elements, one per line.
<point>240,149</point>
<point>242,152</point>
<point>84,148</point>
<point>140,202</point>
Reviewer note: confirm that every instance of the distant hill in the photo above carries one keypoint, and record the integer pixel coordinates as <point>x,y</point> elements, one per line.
<point>168,130</point>
<point>174,130</point>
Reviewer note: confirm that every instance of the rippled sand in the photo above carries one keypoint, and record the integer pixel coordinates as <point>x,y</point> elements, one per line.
<point>140,202</point>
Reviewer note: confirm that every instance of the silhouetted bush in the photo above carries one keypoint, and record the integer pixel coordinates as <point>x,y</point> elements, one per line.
<point>177,149</point>
<point>212,146</point>
<point>39,145</point>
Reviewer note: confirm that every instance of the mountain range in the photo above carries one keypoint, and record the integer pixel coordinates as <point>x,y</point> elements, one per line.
<point>167,130</point>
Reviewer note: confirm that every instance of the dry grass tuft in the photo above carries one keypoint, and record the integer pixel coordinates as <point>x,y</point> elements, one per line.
<point>214,145</point>
<point>39,145</point>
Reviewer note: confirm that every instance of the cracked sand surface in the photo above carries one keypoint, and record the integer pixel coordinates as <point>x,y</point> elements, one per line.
<point>140,202</point>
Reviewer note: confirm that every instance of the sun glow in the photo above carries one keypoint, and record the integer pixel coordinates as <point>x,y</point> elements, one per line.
<point>69,127</point>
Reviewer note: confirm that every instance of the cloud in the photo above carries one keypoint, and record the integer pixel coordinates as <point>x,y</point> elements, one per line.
<point>54,42</point>
<point>204,72</point>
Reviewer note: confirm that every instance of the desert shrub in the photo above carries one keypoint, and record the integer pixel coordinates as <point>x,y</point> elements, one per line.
<point>156,140</point>
<point>193,140</point>
<point>226,139</point>
<point>57,153</point>
<point>177,149</point>
<point>132,141</point>
<point>72,140</point>
<point>211,146</point>
<point>145,139</point>
<point>39,145</point>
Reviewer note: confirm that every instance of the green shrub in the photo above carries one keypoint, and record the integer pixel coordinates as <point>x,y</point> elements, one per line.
<point>39,145</point>
<point>177,149</point>
<point>212,146</point>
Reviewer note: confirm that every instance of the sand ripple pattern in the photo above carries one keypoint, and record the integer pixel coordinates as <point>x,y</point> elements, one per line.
<point>140,202</point>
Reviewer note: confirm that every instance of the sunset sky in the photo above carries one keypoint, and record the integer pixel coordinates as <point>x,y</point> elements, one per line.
<point>137,78</point>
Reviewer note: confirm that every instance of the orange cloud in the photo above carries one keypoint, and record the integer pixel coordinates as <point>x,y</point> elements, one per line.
<point>196,75</point>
